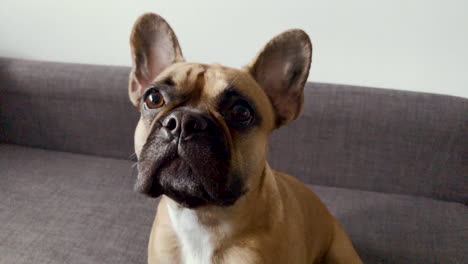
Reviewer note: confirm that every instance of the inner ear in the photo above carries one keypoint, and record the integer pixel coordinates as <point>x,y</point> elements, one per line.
<point>154,47</point>
<point>281,69</point>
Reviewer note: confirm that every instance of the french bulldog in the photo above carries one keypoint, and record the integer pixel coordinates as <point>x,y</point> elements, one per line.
<point>201,144</point>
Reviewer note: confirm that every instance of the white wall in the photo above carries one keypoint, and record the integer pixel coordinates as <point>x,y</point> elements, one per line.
<point>404,44</point>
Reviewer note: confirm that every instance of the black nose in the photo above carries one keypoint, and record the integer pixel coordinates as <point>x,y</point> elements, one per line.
<point>184,124</point>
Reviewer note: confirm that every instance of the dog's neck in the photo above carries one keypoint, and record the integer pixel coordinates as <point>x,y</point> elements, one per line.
<point>202,231</point>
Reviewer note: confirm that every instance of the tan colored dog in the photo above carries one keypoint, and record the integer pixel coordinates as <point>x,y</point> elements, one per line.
<point>202,142</point>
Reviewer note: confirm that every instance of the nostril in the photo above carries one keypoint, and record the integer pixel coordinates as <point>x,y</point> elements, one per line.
<point>184,125</point>
<point>194,125</point>
<point>198,126</point>
<point>171,124</point>
<point>190,126</point>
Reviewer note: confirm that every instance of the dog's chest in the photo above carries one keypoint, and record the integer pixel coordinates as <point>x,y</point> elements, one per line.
<point>197,241</point>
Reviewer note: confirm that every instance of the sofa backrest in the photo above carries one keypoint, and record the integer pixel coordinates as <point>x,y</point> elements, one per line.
<point>355,137</point>
<point>379,140</point>
<point>67,107</point>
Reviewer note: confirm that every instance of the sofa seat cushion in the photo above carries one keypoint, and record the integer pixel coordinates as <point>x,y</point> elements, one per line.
<point>58,207</point>
<point>392,228</point>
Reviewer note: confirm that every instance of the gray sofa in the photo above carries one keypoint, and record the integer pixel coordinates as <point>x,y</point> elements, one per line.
<point>391,166</point>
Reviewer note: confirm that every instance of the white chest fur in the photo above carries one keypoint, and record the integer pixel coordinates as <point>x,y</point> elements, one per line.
<point>198,243</point>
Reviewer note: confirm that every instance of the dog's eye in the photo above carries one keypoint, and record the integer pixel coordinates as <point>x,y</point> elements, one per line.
<point>154,100</point>
<point>241,113</point>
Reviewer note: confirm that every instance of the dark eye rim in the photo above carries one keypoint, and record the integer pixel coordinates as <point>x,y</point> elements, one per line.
<point>150,91</point>
<point>245,104</point>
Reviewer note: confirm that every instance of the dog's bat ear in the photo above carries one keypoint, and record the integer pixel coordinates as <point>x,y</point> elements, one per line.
<point>281,69</point>
<point>154,47</point>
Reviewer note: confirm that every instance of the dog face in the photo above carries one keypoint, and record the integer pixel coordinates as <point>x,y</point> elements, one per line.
<point>203,132</point>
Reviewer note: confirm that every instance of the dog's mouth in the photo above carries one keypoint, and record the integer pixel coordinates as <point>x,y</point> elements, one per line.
<point>193,174</point>
<point>181,184</point>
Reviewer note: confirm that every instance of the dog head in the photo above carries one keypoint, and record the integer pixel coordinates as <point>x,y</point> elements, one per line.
<point>202,137</point>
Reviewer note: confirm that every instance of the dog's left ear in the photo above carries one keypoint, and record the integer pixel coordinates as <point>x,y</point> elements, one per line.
<point>154,47</point>
<point>281,69</point>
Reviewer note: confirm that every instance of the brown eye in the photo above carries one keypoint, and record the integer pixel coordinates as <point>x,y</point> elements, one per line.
<point>154,100</point>
<point>241,113</point>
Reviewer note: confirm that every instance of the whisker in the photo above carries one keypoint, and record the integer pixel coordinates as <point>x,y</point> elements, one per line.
<point>134,169</point>
<point>132,157</point>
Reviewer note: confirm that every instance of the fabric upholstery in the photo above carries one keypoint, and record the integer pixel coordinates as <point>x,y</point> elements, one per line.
<point>58,207</point>
<point>379,140</point>
<point>67,107</point>
<point>392,228</point>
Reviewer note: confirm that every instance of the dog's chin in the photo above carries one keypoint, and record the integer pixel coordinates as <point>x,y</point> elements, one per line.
<point>147,186</point>
<point>176,180</point>
<point>188,183</point>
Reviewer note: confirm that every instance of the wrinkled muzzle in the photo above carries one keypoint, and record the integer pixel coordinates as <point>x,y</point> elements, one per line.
<point>187,157</point>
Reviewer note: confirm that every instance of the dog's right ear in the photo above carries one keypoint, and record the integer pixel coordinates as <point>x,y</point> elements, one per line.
<point>154,47</point>
<point>281,69</point>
